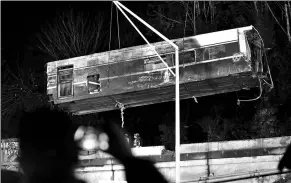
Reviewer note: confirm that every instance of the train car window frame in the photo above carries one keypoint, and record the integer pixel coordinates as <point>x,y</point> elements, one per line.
<point>93,80</point>
<point>65,77</point>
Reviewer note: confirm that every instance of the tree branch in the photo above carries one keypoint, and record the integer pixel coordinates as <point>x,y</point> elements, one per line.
<point>287,22</point>
<point>276,18</point>
<point>71,36</point>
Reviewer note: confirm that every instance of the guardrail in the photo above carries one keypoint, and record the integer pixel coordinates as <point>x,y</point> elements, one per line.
<point>233,157</point>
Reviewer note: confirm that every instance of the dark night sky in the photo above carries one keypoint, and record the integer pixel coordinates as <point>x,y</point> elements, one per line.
<point>21,21</point>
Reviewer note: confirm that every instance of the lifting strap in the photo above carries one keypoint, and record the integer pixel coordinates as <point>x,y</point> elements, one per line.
<point>121,107</point>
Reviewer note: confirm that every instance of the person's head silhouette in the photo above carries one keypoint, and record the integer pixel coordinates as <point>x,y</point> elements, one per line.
<point>48,151</point>
<point>285,161</point>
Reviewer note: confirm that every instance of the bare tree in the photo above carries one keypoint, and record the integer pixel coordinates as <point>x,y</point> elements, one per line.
<point>72,35</point>
<point>191,18</point>
<point>127,39</point>
<point>182,17</point>
<point>17,94</point>
<point>288,9</point>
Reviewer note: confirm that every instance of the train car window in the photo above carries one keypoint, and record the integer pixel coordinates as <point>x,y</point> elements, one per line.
<point>155,62</point>
<point>94,85</point>
<point>65,81</point>
<point>187,57</point>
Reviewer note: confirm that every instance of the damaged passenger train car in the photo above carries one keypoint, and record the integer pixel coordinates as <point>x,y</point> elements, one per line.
<point>211,63</point>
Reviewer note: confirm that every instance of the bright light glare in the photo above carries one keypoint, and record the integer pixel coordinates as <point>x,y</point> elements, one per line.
<point>88,139</point>
<point>79,133</point>
<point>90,142</point>
<point>103,139</point>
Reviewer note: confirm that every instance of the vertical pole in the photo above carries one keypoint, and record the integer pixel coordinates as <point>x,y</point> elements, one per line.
<point>177,86</point>
<point>177,112</point>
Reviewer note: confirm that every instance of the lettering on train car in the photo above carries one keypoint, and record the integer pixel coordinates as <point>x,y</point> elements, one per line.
<point>150,78</point>
<point>65,81</point>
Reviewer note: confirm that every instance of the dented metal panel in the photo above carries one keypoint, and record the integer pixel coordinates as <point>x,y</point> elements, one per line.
<point>209,64</point>
<point>136,52</point>
<point>142,74</point>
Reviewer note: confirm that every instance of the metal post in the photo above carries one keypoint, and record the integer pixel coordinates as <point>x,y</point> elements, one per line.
<point>177,87</point>
<point>177,113</point>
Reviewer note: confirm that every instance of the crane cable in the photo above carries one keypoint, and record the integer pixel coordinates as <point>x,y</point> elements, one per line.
<point>118,104</point>
<point>117,27</point>
<point>185,25</point>
<point>109,44</point>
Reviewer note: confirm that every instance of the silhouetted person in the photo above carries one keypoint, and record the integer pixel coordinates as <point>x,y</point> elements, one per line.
<point>49,153</point>
<point>9,176</point>
<point>285,161</point>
